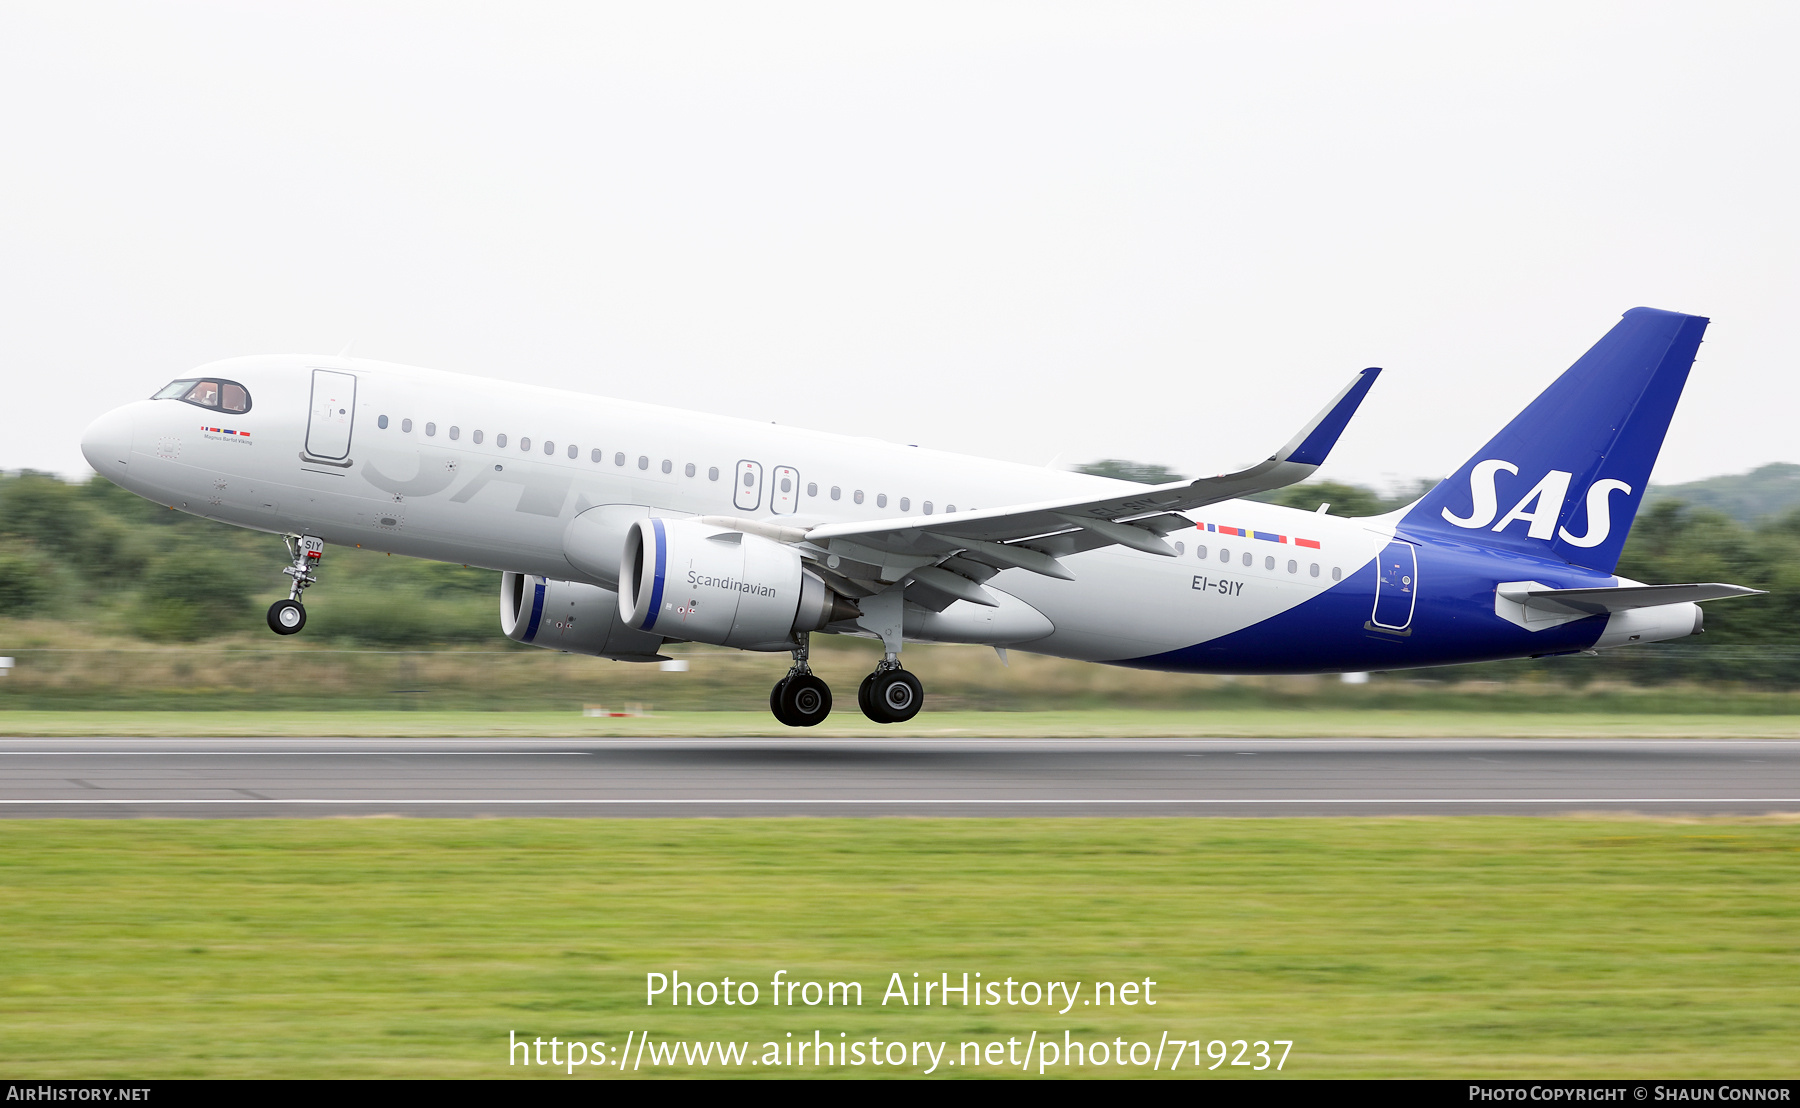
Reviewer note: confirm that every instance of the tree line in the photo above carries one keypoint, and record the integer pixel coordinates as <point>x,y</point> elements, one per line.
<point>92,554</point>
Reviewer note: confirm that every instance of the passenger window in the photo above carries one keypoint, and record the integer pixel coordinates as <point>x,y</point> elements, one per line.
<point>1248,557</point>
<point>204,393</point>
<point>643,461</point>
<point>1224,554</point>
<point>595,456</point>
<point>1337,574</point>
<point>812,489</point>
<point>381,422</point>
<point>525,443</point>
<point>476,437</point>
<point>668,466</point>
<point>500,440</point>
<point>927,507</point>
<point>949,507</point>
<point>235,399</point>
<point>749,479</point>
<point>690,469</point>
<point>1200,552</point>
<point>881,500</point>
<point>455,432</point>
<point>858,496</point>
<point>712,473</point>
<point>1315,569</point>
<point>787,485</point>
<point>574,452</point>
<point>1269,563</point>
<point>1293,566</point>
<point>619,458</point>
<point>406,425</point>
<point>836,493</point>
<point>905,504</point>
<point>549,448</point>
<point>1180,549</point>
<point>431,430</point>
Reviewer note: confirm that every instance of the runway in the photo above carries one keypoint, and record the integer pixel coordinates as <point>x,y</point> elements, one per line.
<point>231,778</point>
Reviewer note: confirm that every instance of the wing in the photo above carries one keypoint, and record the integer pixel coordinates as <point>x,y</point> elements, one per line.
<point>951,555</point>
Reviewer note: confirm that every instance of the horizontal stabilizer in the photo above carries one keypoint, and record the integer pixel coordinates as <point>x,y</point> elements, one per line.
<point>1604,601</point>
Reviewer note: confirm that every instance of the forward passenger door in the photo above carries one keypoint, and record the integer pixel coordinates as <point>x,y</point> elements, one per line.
<point>333,412</point>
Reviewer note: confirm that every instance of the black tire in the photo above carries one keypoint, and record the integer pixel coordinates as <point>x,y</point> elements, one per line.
<point>286,617</point>
<point>805,701</point>
<point>896,696</point>
<point>862,698</point>
<point>775,707</point>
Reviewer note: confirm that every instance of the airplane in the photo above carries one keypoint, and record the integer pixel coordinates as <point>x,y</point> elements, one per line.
<point>618,527</point>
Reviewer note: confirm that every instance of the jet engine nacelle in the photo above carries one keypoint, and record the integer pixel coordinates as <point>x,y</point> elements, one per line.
<point>567,615</point>
<point>692,581</point>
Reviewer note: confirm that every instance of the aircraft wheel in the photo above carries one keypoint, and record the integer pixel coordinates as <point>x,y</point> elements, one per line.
<point>805,701</point>
<point>286,617</point>
<point>775,701</point>
<point>862,698</point>
<point>896,696</point>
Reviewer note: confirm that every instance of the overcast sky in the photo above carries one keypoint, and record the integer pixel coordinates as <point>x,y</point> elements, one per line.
<point>1043,232</point>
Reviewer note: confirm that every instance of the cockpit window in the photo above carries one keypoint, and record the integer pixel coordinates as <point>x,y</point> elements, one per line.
<point>218,395</point>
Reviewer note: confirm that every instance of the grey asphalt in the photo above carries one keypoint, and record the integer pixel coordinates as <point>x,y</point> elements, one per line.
<point>218,778</point>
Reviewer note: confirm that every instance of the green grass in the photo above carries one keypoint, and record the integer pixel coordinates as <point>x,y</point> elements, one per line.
<point>848,722</point>
<point>1422,947</point>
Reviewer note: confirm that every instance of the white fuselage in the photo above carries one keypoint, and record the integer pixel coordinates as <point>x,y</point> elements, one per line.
<point>489,473</point>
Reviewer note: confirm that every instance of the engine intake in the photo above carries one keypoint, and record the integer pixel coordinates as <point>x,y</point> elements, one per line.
<point>689,580</point>
<point>568,615</point>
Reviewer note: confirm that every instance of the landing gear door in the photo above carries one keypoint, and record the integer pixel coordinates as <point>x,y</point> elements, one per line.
<point>747,496</point>
<point>1396,586</point>
<point>333,409</point>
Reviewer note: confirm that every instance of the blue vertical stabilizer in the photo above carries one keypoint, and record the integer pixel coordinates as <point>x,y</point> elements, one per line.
<point>1565,477</point>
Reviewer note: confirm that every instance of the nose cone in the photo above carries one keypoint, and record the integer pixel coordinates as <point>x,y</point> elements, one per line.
<point>107,443</point>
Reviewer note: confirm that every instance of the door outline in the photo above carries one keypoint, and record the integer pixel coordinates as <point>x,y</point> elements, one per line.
<point>746,496</point>
<point>1402,578</point>
<point>785,503</point>
<point>321,434</point>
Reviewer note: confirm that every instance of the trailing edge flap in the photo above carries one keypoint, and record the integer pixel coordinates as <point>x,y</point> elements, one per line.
<point>1604,601</point>
<point>1137,519</point>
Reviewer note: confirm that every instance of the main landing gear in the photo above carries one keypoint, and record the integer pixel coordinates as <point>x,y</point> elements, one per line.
<point>801,699</point>
<point>287,617</point>
<point>889,695</point>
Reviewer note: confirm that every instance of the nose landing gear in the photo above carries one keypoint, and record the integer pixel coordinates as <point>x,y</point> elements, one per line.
<point>801,699</point>
<point>287,617</point>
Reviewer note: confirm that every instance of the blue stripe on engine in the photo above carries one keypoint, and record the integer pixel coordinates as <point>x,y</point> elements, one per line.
<point>656,588</point>
<point>537,610</point>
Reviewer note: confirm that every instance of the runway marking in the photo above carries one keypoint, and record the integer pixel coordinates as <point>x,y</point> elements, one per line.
<point>1562,745</point>
<point>962,801</point>
<point>590,749</point>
